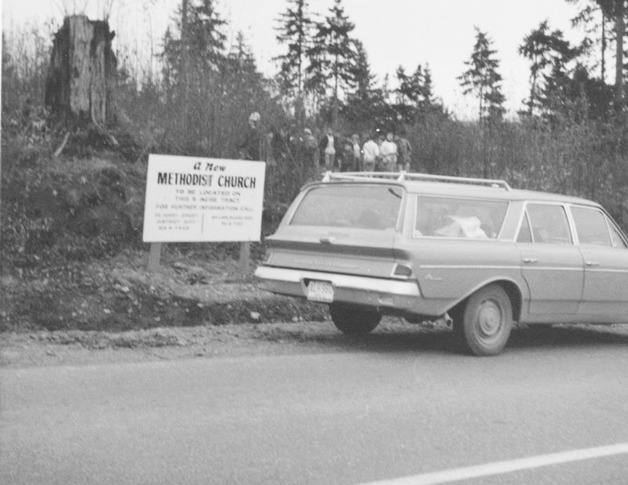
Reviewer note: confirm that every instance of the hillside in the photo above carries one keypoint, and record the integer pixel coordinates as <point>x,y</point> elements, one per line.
<point>73,258</point>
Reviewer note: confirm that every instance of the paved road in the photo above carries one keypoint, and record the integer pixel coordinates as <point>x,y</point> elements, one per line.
<point>386,407</point>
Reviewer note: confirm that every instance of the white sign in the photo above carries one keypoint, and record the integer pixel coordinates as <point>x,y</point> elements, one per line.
<point>190,199</point>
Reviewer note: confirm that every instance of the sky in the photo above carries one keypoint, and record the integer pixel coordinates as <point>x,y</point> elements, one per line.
<point>438,33</point>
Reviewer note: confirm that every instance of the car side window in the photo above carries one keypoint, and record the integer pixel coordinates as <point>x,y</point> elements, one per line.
<point>459,218</point>
<point>617,239</point>
<point>549,224</point>
<point>525,234</point>
<point>591,226</point>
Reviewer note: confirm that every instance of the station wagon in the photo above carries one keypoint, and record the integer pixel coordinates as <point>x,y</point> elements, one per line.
<point>475,252</point>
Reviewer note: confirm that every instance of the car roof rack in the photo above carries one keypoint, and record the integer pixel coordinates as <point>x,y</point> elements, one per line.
<point>408,176</point>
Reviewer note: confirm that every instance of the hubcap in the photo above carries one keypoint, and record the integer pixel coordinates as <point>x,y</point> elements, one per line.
<point>490,319</point>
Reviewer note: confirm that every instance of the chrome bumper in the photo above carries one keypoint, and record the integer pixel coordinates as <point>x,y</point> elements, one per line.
<point>398,294</point>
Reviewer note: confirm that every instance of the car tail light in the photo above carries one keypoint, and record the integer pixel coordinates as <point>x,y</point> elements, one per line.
<point>402,270</point>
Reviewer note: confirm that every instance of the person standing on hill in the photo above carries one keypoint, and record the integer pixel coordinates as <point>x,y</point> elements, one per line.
<point>347,161</point>
<point>328,147</point>
<point>310,148</point>
<point>251,147</point>
<point>388,152</point>
<point>357,152</point>
<point>405,153</point>
<point>370,155</point>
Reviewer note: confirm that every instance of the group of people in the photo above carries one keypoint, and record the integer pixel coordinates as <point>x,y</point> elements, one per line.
<point>329,152</point>
<point>338,153</point>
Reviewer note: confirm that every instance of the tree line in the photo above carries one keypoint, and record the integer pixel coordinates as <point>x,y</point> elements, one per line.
<point>569,135</point>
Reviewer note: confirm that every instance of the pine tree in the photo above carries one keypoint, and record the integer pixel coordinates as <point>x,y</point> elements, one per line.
<point>332,56</point>
<point>198,46</point>
<point>193,60</point>
<point>295,32</point>
<point>365,103</point>
<point>536,47</point>
<point>360,71</point>
<point>483,79</point>
<point>610,11</point>
<point>595,16</point>
<point>427,90</point>
<point>241,76</point>
<point>551,57</point>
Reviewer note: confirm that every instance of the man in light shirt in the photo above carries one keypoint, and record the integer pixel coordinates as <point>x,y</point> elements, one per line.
<point>370,155</point>
<point>388,152</point>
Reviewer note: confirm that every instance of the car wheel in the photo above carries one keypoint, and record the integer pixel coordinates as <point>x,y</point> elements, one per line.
<point>484,326</point>
<point>354,319</point>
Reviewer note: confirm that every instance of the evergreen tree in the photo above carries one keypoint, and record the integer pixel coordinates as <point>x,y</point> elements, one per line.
<point>197,47</point>
<point>596,17</point>
<point>620,12</point>
<point>295,32</point>
<point>332,56</point>
<point>483,79</point>
<point>552,62</point>
<point>614,11</point>
<point>427,93</point>
<point>240,74</point>
<point>206,36</point>
<point>194,58</point>
<point>365,103</point>
<point>414,93</point>
<point>360,72</point>
<point>549,53</point>
<point>409,87</point>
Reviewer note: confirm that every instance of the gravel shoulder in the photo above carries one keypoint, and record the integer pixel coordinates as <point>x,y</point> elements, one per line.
<point>76,347</point>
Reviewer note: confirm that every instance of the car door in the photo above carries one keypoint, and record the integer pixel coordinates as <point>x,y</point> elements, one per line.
<point>551,264</point>
<point>605,255</point>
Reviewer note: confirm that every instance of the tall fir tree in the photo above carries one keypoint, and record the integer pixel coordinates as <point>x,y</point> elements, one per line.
<point>361,73</point>
<point>332,57</point>
<point>241,74</point>
<point>612,12</point>
<point>596,18</point>
<point>194,57</point>
<point>364,103</point>
<point>537,48</point>
<point>482,78</point>
<point>294,31</point>
<point>199,44</point>
<point>552,60</point>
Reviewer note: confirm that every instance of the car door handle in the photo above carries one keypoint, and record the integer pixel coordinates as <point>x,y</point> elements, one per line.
<point>590,264</point>
<point>530,260</point>
<point>327,239</point>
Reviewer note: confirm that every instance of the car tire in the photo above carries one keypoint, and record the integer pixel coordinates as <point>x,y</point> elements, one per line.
<point>354,319</point>
<point>484,326</point>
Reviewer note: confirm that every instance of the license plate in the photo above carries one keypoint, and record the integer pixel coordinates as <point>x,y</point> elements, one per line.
<point>320,291</point>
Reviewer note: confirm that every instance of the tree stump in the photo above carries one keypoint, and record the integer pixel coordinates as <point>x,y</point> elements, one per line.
<point>82,78</point>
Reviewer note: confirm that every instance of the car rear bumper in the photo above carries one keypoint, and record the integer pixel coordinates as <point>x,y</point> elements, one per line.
<point>378,292</point>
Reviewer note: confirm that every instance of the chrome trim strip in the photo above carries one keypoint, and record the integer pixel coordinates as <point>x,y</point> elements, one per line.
<point>606,270</point>
<point>465,266</point>
<point>476,267</point>
<point>380,285</point>
<point>553,268</point>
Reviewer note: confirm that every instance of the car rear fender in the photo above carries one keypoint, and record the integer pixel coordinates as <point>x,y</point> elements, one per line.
<point>511,287</point>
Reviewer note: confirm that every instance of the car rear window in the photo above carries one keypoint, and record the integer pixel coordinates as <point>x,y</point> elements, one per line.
<point>373,207</point>
<point>459,217</point>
